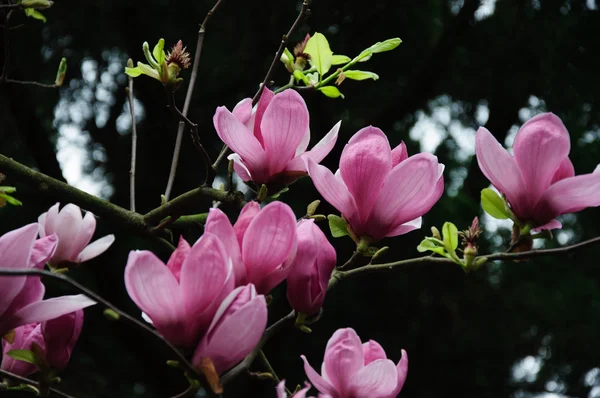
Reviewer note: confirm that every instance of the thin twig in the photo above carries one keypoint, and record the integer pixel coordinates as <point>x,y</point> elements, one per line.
<point>350,261</point>
<point>265,361</point>
<point>30,83</point>
<point>133,146</point>
<point>188,100</point>
<point>189,392</point>
<point>24,380</point>
<point>4,75</point>
<point>188,367</point>
<point>247,362</point>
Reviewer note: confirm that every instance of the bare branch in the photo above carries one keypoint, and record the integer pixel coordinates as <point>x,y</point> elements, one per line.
<point>133,145</point>
<point>23,380</point>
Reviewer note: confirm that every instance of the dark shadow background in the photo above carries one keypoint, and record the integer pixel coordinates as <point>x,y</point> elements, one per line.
<point>523,329</point>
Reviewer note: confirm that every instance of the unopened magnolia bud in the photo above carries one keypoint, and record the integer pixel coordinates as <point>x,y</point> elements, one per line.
<point>61,73</point>
<point>130,63</point>
<point>312,207</point>
<point>262,194</point>
<point>436,233</point>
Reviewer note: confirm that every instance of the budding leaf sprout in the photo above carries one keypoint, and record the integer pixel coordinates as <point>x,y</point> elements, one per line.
<point>161,66</point>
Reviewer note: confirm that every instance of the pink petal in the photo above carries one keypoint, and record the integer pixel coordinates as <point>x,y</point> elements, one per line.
<point>84,235</point>
<point>283,126</point>
<point>317,381</point>
<point>246,216</point>
<point>265,99</point>
<point>568,196</point>
<point>399,154</point>
<point>269,241</point>
<point>281,389</point>
<point>67,227</point>
<point>501,169</point>
<point>239,167</point>
<point>303,145</point>
<point>540,147</point>
<point>96,248</point>
<point>376,380</point>
<point>554,224</point>
<point>240,140</point>
<point>406,227</point>
<point>235,336</point>
<point>177,257</point>
<point>61,335</point>
<point>402,370</point>
<point>42,250</point>
<point>50,220</point>
<point>373,351</point>
<point>153,288</point>
<point>406,194</point>
<point>364,166</point>
<point>317,153</point>
<point>219,225</point>
<point>243,110</point>
<point>15,251</point>
<point>343,358</point>
<point>25,336</point>
<point>331,188</point>
<point>41,222</point>
<point>44,310</point>
<point>304,270</point>
<point>565,170</point>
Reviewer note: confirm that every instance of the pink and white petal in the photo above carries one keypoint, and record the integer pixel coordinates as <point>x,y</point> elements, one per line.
<point>331,188</point>
<point>42,250</point>
<point>243,110</point>
<point>239,167</point>
<point>153,288</point>
<point>376,380</point>
<point>86,231</point>
<point>373,351</point>
<point>402,369</point>
<point>41,222</point>
<point>25,336</point>
<point>15,251</point>
<point>399,154</point>
<point>540,147</point>
<point>95,248</point>
<point>269,240</point>
<point>570,195</point>
<point>177,257</point>
<point>343,358</point>
<point>51,219</point>
<point>246,216</point>
<point>303,144</point>
<point>565,170</point>
<point>406,227</point>
<point>317,381</point>
<point>67,226</point>
<point>325,145</point>
<point>554,224</point>
<point>263,103</point>
<point>283,126</point>
<point>501,169</point>
<point>44,310</point>
<point>281,389</point>
<point>241,140</point>
<point>364,165</point>
<point>219,225</point>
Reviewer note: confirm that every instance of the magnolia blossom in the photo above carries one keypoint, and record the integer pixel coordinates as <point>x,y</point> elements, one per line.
<point>235,330</point>
<point>21,299</point>
<point>262,244</point>
<point>181,297</point>
<point>539,181</point>
<point>300,394</point>
<point>55,337</point>
<point>311,270</point>
<point>74,233</point>
<point>269,143</point>
<point>354,370</point>
<point>379,191</point>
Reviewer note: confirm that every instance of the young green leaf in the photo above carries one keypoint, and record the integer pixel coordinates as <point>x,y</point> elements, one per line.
<point>337,226</point>
<point>158,51</point>
<point>387,45</point>
<point>133,72</point>
<point>61,72</point>
<point>299,76</point>
<point>23,355</point>
<point>493,204</point>
<point>287,58</point>
<point>331,91</point>
<point>360,75</point>
<point>35,14</point>
<point>428,245</point>
<point>9,199</point>
<point>340,60</point>
<point>320,54</point>
<point>450,235</point>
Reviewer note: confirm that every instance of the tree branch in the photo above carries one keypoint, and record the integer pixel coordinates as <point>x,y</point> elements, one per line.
<point>133,144</point>
<point>188,100</point>
<point>23,380</point>
<point>188,367</point>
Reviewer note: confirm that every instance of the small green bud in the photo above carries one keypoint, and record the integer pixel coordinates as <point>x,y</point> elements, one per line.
<point>41,4</point>
<point>379,253</point>
<point>130,63</point>
<point>61,73</point>
<point>436,233</point>
<point>172,363</point>
<point>262,193</point>
<point>318,217</point>
<point>312,207</point>
<point>111,314</point>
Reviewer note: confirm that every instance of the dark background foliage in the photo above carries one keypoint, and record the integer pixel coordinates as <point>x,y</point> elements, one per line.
<point>509,330</point>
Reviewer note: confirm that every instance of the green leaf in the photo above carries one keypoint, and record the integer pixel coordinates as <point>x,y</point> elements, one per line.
<point>340,60</point>
<point>148,70</point>
<point>9,199</point>
<point>428,245</point>
<point>33,13</point>
<point>360,75</point>
<point>158,51</point>
<point>23,355</point>
<point>320,54</point>
<point>6,189</point>
<point>387,45</point>
<point>493,204</point>
<point>299,76</point>
<point>331,91</point>
<point>337,226</point>
<point>25,388</point>
<point>287,58</point>
<point>133,72</point>
<point>450,235</point>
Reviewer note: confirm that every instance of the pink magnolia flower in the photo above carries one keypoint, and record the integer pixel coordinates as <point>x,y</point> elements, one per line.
<point>181,297</point>
<point>311,269</point>
<point>21,299</point>
<point>269,142</point>
<point>235,330</point>
<point>56,338</point>
<point>300,394</point>
<point>539,181</point>
<point>354,370</point>
<point>379,191</point>
<point>262,244</point>
<point>74,233</point>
